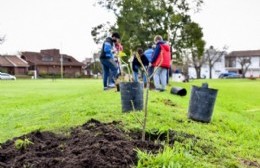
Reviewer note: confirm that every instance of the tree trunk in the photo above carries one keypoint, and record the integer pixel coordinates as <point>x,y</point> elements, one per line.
<point>243,71</point>
<point>197,72</point>
<point>210,72</point>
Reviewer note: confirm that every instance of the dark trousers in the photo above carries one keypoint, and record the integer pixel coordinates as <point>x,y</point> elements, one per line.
<point>108,64</point>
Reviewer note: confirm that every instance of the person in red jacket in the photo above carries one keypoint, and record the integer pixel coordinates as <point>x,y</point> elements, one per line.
<point>161,60</point>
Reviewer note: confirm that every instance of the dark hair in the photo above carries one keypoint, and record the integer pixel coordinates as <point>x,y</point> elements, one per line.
<point>150,45</point>
<point>116,35</point>
<point>140,51</point>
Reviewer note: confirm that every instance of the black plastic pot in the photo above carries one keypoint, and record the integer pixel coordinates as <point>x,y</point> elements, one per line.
<point>131,96</point>
<point>202,102</point>
<point>178,91</point>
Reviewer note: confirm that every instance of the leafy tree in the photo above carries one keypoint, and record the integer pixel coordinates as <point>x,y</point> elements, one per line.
<point>139,21</point>
<point>194,44</point>
<point>100,32</point>
<point>96,67</point>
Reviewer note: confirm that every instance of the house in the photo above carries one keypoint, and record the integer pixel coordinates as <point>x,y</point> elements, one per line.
<point>245,62</point>
<point>13,65</point>
<point>52,62</point>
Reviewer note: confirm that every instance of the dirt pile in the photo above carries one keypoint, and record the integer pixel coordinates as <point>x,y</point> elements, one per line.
<point>93,144</point>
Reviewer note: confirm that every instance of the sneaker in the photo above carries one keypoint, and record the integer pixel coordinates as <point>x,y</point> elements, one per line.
<point>112,85</point>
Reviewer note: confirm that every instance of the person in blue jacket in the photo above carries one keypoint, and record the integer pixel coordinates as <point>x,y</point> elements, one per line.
<point>107,59</point>
<point>149,52</point>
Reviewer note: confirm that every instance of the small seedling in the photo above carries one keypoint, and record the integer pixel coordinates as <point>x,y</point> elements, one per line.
<point>143,123</point>
<point>148,77</point>
<point>22,144</point>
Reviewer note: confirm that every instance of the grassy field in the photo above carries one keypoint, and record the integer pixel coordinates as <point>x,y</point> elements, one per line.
<point>230,140</point>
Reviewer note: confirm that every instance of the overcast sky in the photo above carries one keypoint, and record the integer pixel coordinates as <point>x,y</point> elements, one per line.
<point>235,23</point>
<point>32,25</point>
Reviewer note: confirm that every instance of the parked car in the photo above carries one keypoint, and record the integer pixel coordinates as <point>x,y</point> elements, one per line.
<point>7,76</point>
<point>229,75</point>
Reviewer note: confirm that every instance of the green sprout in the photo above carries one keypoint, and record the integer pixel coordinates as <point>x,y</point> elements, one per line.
<point>22,144</point>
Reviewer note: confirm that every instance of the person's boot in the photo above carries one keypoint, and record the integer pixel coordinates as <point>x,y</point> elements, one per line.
<point>117,87</point>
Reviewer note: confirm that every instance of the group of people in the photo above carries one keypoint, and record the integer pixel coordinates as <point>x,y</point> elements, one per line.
<point>156,60</point>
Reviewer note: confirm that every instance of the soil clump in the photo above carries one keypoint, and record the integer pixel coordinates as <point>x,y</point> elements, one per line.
<point>93,145</point>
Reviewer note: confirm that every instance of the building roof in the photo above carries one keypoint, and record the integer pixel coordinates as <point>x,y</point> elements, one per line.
<point>49,57</point>
<point>12,61</point>
<point>245,53</point>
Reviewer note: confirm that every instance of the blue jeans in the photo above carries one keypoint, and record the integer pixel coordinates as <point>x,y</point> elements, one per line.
<point>150,71</point>
<point>110,78</point>
<point>108,64</point>
<point>135,75</point>
<point>160,78</point>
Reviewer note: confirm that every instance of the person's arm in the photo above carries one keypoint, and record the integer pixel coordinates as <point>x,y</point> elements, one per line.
<point>156,53</point>
<point>108,49</point>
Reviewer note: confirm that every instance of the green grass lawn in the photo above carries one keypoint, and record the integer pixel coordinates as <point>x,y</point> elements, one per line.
<point>232,139</point>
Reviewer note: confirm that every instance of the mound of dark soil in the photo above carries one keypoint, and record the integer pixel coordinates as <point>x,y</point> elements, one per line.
<point>93,144</point>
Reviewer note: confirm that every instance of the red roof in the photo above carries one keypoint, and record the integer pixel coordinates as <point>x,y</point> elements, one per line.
<point>12,61</point>
<point>49,57</point>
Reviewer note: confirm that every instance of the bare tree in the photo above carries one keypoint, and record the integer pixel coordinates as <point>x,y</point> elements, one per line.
<point>212,56</point>
<point>191,57</point>
<point>245,62</point>
<point>197,62</point>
